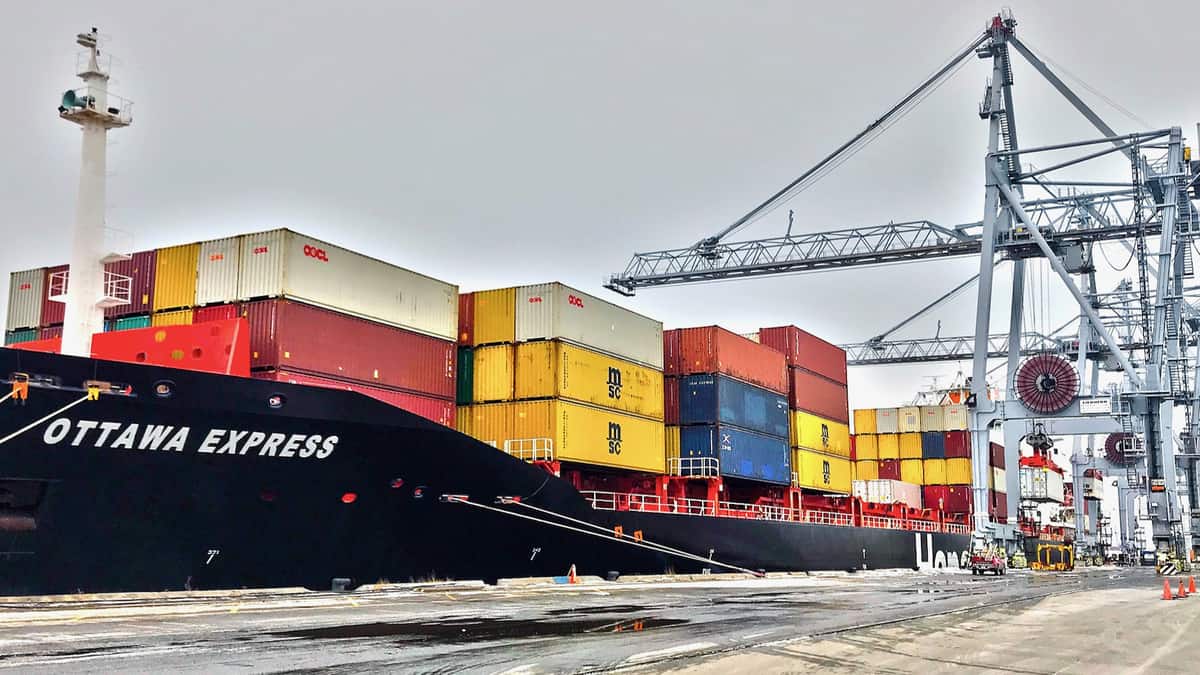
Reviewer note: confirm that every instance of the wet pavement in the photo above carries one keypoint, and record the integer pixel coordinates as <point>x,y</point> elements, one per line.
<point>591,627</point>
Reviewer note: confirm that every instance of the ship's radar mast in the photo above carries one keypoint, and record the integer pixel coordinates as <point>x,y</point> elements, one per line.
<point>90,288</point>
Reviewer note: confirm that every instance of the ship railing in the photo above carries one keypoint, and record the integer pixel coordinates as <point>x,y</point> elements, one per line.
<point>925,525</point>
<point>883,522</point>
<point>956,528</point>
<point>531,449</point>
<point>756,511</point>
<point>818,517</point>
<point>697,467</point>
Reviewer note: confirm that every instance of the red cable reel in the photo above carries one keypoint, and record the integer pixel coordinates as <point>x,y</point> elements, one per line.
<point>1046,383</point>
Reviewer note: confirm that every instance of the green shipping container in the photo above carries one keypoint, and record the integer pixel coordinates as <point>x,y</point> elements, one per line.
<point>466,376</point>
<point>12,337</point>
<point>128,322</point>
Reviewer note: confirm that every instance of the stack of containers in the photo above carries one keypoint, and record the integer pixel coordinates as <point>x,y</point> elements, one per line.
<point>819,408</point>
<point>998,494</point>
<point>732,405</point>
<point>551,364</point>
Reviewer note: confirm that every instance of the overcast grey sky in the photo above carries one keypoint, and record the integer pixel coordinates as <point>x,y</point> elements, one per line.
<point>499,143</point>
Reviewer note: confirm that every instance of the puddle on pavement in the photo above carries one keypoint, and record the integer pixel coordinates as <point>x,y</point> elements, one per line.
<point>474,630</point>
<point>605,609</point>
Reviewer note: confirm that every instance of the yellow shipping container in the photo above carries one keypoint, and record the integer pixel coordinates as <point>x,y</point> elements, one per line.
<point>909,419</point>
<point>818,471</point>
<point>180,317</point>
<point>462,419</point>
<point>579,433</point>
<point>866,446</point>
<point>958,471</point>
<point>935,472</point>
<point>493,374</point>
<point>866,470</point>
<point>672,439</point>
<point>910,446</point>
<point>553,369</point>
<point>864,421</point>
<point>889,446</point>
<point>816,433</point>
<point>495,316</point>
<point>932,418</point>
<point>175,276</point>
<point>912,471</point>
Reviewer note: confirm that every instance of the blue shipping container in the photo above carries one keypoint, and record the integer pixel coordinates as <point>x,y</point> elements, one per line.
<point>717,399</point>
<point>742,454</point>
<point>13,337</point>
<point>933,445</point>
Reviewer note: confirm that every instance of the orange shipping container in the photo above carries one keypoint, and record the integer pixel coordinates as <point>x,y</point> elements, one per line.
<point>712,349</point>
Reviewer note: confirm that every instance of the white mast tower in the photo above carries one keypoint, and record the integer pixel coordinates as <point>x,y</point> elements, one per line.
<point>91,289</point>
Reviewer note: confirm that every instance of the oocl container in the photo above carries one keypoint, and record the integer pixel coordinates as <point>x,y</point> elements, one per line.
<point>217,273</point>
<point>889,446</point>
<point>434,409</point>
<point>825,473</point>
<point>282,263</point>
<point>555,369</point>
<point>958,444</point>
<point>712,349</point>
<point>933,418</point>
<point>866,446</point>
<point>817,433</point>
<point>805,350</point>
<point>909,419</point>
<point>718,399</point>
<point>910,446</point>
<point>53,311</point>
<point>554,311</point>
<point>818,395</point>
<point>740,453</point>
<point>25,294</point>
<point>175,277</point>
<point>866,469</point>
<point>887,421</point>
<point>864,421</point>
<point>495,316</point>
<point>912,471</point>
<point>935,472</point>
<point>494,372</point>
<point>958,471</point>
<point>140,268</point>
<point>933,445</point>
<point>178,317</point>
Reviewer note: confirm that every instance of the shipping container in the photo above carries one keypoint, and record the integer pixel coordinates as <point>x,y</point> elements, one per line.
<point>909,419</point>
<point>933,418</point>
<point>935,472</point>
<point>718,399</point>
<point>998,480</point>
<point>671,400</point>
<point>216,313</point>
<point>462,419</point>
<point>998,507</point>
<point>178,317</point>
<point>958,471</point>
<point>1041,484</point>
<point>956,417</point>
<point>466,319</point>
<point>50,332</point>
<point>577,432</point>
<point>958,444</point>
<point>958,499</point>
<point>550,311</point>
<point>26,292</point>
<point>996,454</point>
<point>818,471</point>
<point>934,496</point>
<point>13,337</point>
<point>53,311</point>
<point>889,446</point>
<point>889,468</point>
<point>740,453</point>
<point>887,421</point>
<point>817,433</point>
<point>289,335</point>
<point>866,469</point>
<point>131,322</point>
<point>494,374</point>
<point>864,421</point>
<point>807,351</point>
<point>912,471</point>
<point>285,264</point>
<point>933,445</point>
<point>555,369</point>
<point>753,337</point>
<point>888,492</point>
<point>910,446</point>
<point>672,441</point>
<point>815,394</point>
<point>866,446</point>
<point>712,349</point>
<point>465,380</point>
<point>217,271</point>
<point>175,277</point>
<point>495,316</point>
<point>433,409</point>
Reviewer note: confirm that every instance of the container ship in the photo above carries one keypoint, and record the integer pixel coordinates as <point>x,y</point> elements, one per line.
<point>274,410</point>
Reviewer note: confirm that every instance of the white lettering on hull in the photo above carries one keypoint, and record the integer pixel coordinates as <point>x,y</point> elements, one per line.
<point>167,438</point>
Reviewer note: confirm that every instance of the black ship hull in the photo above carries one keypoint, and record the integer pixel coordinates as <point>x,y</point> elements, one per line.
<point>176,479</point>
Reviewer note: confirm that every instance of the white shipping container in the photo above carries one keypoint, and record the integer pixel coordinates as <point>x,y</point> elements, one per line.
<point>932,418</point>
<point>998,481</point>
<point>25,290</point>
<point>1041,484</point>
<point>217,278</point>
<point>887,421</point>
<point>909,419</point>
<point>282,263</point>
<point>1055,491</point>
<point>955,417</point>
<point>883,491</point>
<point>554,311</point>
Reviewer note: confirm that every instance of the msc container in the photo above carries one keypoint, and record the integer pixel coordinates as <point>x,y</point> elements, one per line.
<point>866,446</point>
<point>434,409</point>
<point>889,468</point>
<point>910,446</point>
<point>462,419</point>
<point>958,499</point>
<point>818,471</point>
<point>282,263</point>
<point>955,417</point>
<point>958,471</point>
<point>866,469</point>
<point>493,374</point>
<point>175,277</point>
<point>288,335</point>
<point>933,445</point>
<point>555,369</point>
<point>12,337</point>
<point>889,446</point>
<point>864,421</point>
<point>807,351</point>
<point>671,400</point>
<point>718,399</point>
<point>466,319</point>
<point>217,272</point>
<point>818,395</point>
<point>909,419</point>
<point>935,472</point>
<point>958,444</point>
<point>998,480</point>
<point>934,496</point>
<point>495,316</point>
<point>888,492</point>
<point>740,453</point>
<point>912,471</point>
<point>816,433</point>
<point>178,317</point>
<point>53,311</point>
<point>933,418</point>
<point>26,291</point>
<point>216,313</point>
<point>554,311</point>
<point>577,432</point>
<point>996,455</point>
<point>712,349</point>
<point>131,322</point>
<point>887,421</point>
<point>465,380</point>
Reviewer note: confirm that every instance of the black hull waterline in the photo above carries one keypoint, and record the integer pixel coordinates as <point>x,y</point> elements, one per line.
<point>230,482</point>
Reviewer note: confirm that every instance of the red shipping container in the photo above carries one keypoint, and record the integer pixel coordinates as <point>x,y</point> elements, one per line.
<point>935,496</point>
<point>288,335</point>
<point>712,349</point>
<point>466,319</point>
<point>819,395</point>
<point>998,506</point>
<point>958,499</point>
<point>996,455</point>
<point>53,311</point>
<point>140,270</point>
<point>805,350</point>
<point>853,449</point>
<point>216,313</point>
<point>434,409</point>
<point>889,469</point>
<point>670,400</point>
<point>958,444</point>
<point>50,332</point>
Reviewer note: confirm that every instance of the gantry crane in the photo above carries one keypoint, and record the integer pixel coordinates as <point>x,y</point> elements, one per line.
<point>1143,330</point>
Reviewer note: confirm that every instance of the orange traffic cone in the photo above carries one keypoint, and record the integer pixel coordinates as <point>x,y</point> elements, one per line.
<point>573,579</point>
<point>1191,585</point>
<point>1182,590</point>
<point>1167,590</point>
